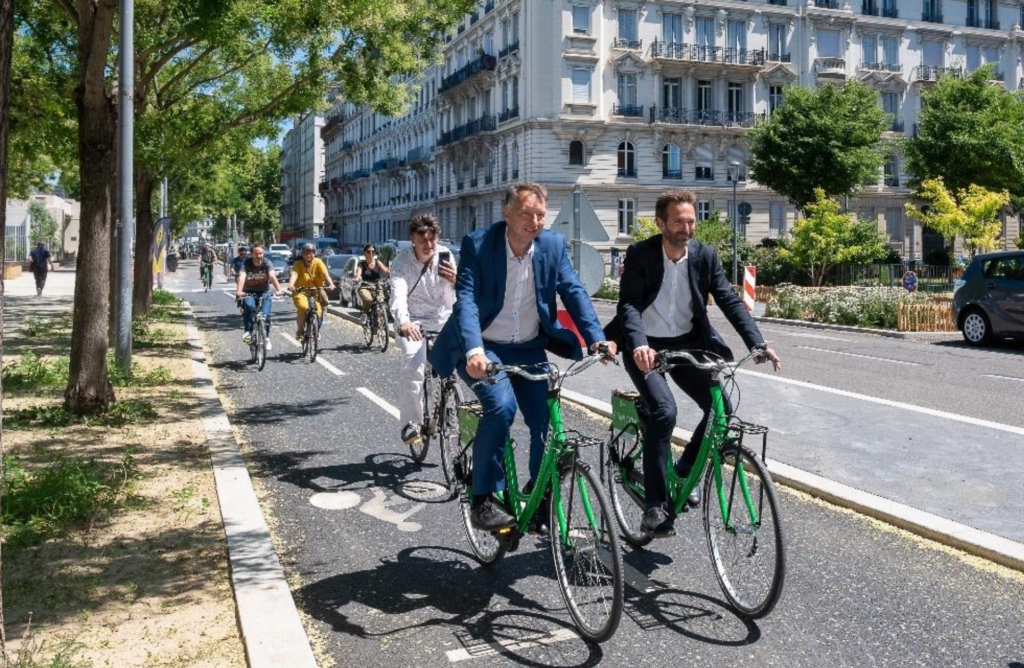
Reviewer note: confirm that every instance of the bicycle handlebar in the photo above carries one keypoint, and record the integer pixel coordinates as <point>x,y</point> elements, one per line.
<point>552,374</point>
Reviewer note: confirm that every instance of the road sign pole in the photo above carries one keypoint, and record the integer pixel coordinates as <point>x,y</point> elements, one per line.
<point>126,162</point>
<point>577,226</point>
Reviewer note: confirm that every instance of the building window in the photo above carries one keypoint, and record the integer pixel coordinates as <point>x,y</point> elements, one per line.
<point>738,155</point>
<point>735,101</point>
<point>828,43</point>
<point>515,27</point>
<point>671,97</point>
<point>627,90</point>
<point>892,171</point>
<point>627,26</point>
<point>931,53</point>
<point>515,160</point>
<point>672,28</point>
<point>869,47</point>
<point>776,41</point>
<point>576,153</point>
<point>705,164</point>
<point>627,215</point>
<point>705,32</point>
<point>515,92</point>
<point>627,159</point>
<point>774,98</point>
<point>504,95</point>
<point>737,36</point>
<point>890,50</point>
<point>703,210</point>
<point>581,85</point>
<point>973,57</point>
<point>580,20</point>
<point>671,165</point>
<point>894,224</point>
<point>504,163</point>
<point>704,98</point>
<point>776,219</point>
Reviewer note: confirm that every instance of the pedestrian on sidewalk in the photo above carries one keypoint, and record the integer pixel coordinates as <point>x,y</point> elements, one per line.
<point>41,263</point>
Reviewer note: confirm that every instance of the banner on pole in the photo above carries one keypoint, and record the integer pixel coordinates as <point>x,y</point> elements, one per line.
<point>161,237</point>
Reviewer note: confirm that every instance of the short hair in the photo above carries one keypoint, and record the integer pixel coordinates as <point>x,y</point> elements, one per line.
<point>369,247</point>
<point>671,198</point>
<point>424,224</point>
<point>513,192</point>
<point>255,246</point>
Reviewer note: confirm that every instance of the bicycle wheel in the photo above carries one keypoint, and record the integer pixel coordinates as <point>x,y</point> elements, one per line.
<point>260,336</point>
<point>484,544</point>
<point>629,510</point>
<point>317,324</point>
<point>368,323</point>
<point>418,449</point>
<point>448,432</point>
<point>309,340</point>
<point>585,548</point>
<point>382,329</point>
<point>748,552</point>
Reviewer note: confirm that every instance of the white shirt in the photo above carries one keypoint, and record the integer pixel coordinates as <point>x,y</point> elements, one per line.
<point>671,314</point>
<point>431,301</point>
<point>518,319</point>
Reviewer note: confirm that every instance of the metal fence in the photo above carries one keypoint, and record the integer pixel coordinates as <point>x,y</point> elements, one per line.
<point>930,278</point>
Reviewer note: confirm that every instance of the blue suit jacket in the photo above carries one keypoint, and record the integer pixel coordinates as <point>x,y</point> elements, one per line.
<point>480,292</point>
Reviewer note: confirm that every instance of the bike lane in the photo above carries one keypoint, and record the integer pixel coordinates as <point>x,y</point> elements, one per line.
<point>380,566</point>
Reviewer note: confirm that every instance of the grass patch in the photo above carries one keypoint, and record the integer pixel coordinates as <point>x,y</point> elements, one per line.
<point>34,326</point>
<point>31,372</point>
<point>71,492</point>
<point>129,411</point>
<point>158,375</point>
<point>165,297</point>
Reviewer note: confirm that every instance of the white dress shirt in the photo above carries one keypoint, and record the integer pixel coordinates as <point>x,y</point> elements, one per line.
<point>432,300</point>
<point>671,314</point>
<point>518,319</point>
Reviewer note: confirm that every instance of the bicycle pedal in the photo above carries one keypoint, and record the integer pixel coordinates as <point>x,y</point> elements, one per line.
<point>504,531</point>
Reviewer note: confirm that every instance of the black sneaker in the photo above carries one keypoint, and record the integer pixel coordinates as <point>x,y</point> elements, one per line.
<point>658,523</point>
<point>489,516</point>
<point>539,521</point>
<point>411,434</point>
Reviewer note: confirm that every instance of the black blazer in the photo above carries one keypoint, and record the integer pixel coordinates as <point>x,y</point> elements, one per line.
<point>642,274</point>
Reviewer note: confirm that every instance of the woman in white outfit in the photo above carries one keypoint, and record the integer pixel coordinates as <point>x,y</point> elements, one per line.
<point>422,296</point>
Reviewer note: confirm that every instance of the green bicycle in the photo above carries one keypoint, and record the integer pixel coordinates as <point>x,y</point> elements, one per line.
<point>742,522</point>
<point>584,545</point>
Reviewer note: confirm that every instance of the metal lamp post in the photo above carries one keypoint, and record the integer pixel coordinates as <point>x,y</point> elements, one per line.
<point>734,174</point>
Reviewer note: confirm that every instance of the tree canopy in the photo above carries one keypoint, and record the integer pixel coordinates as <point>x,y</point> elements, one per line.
<point>970,132</point>
<point>972,213</point>
<point>826,138</point>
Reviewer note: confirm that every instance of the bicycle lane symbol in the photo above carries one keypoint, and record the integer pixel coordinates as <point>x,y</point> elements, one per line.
<point>380,507</point>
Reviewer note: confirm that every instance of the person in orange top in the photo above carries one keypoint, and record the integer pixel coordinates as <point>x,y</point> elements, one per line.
<point>308,272</point>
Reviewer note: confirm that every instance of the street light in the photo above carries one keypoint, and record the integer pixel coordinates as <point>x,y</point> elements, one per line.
<point>734,174</point>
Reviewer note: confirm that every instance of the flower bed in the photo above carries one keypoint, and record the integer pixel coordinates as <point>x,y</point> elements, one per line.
<point>878,308</point>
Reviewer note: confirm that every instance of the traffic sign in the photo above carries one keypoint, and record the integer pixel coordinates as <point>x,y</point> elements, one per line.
<point>744,208</point>
<point>591,228</point>
<point>591,268</point>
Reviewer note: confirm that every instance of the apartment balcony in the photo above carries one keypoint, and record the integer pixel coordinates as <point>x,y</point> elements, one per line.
<point>509,50</point>
<point>360,174</point>
<point>778,57</point>
<point>931,74</point>
<point>873,8</point>
<point>628,44</point>
<point>630,110</point>
<point>480,67</point>
<point>881,67</point>
<point>978,22</point>
<point>779,3</point>
<point>417,155</point>
<point>741,119</point>
<point>468,130</point>
<point>830,67</point>
<point>348,145</point>
<point>508,115</point>
<point>627,172</point>
<point>323,188</point>
<point>677,51</point>
<point>932,16</point>
<point>672,174</point>
<point>706,117</point>
<point>331,126</point>
<point>828,4</point>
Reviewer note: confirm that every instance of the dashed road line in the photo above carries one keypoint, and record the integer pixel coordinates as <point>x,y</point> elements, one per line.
<point>858,355</point>
<point>388,408</point>
<point>319,360</point>
<point>805,336</point>
<point>995,375</point>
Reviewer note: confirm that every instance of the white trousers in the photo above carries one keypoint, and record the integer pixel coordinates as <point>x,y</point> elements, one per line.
<point>410,385</point>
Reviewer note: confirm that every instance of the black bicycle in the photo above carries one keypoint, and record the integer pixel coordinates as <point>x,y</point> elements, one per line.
<point>441,398</point>
<point>258,335</point>
<point>311,328</point>
<point>375,324</point>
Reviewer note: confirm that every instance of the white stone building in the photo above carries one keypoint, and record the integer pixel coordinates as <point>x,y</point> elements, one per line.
<point>629,98</point>
<point>302,171</point>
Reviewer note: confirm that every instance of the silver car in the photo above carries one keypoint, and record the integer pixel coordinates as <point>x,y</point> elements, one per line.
<point>988,302</point>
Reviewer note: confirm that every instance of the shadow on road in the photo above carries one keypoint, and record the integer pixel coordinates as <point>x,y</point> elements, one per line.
<point>1008,347</point>
<point>276,412</point>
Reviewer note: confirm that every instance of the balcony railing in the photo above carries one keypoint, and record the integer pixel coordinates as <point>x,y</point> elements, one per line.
<point>680,116</point>
<point>671,173</point>
<point>485,63</point>
<point>873,8</point>
<point>740,119</point>
<point>509,50</point>
<point>508,115</point>
<point>331,125</point>
<point>827,4</point>
<point>707,54</point>
<point>892,181</point>
<point>882,67</point>
<point>633,110</point>
<point>360,174</point>
<point>626,43</point>
<point>931,15</point>
<point>627,172</point>
<point>830,64</point>
<point>781,3</point>
<point>418,154</point>
<point>978,22</point>
<point>323,187</point>
<point>471,129</point>
<point>778,57</point>
<point>933,73</point>
<point>896,125</point>
<point>348,145</point>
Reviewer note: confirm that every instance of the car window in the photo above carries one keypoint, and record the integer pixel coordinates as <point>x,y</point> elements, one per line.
<point>1006,268</point>
<point>350,266</point>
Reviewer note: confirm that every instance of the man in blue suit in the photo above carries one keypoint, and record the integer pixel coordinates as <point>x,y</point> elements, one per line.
<point>505,313</point>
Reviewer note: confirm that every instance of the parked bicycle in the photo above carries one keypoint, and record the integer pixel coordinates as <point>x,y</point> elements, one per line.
<point>375,323</point>
<point>441,399</point>
<point>311,326</point>
<point>584,544</point>
<point>742,522</point>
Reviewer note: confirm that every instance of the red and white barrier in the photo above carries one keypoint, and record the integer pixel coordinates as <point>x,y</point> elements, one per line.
<point>749,282</point>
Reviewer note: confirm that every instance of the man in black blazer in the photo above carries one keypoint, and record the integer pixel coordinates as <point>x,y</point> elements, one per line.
<point>662,306</point>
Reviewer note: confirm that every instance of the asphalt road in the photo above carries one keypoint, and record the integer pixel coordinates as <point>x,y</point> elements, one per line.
<point>381,567</point>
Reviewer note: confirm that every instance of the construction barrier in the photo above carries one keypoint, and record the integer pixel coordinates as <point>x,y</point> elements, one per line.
<point>749,281</point>
<point>934,317</point>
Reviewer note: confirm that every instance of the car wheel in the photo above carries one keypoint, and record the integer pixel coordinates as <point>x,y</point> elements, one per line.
<point>976,328</point>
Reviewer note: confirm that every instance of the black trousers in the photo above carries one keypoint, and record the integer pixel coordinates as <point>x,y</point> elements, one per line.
<point>661,419</point>
<point>40,276</point>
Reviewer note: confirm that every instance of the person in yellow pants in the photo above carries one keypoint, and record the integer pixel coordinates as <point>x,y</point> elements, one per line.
<point>308,272</point>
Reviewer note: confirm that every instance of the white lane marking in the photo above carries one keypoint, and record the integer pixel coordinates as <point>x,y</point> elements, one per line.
<point>319,360</point>
<point>995,375</point>
<point>290,339</point>
<point>804,335</point>
<point>866,357</point>
<point>380,402</point>
<point>379,507</point>
<point>889,402</point>
<point>485,649</point>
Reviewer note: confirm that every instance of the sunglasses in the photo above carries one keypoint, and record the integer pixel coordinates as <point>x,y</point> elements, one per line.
<point>370,252</point>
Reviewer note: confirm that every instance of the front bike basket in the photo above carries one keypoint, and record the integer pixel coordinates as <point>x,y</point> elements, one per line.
<point>739,430</point>
<point>470,413</point>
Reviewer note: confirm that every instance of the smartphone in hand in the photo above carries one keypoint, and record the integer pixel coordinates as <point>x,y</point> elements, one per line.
<point>445,256</point>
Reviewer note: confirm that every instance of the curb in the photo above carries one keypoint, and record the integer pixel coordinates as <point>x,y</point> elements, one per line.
<point>946,532</point>
<point>267,617</point>
<point>856,330</point>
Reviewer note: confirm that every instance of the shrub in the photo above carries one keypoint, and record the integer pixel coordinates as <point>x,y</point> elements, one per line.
<point>165,298</point>
<point>859,307</point>
<point>31,372</point>
<point>609,289</point>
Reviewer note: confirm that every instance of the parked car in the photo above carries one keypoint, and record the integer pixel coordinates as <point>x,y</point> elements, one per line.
<point>280,250</point>
<point>281,268</point>
<point>336,268</point>
<point>988,302</point>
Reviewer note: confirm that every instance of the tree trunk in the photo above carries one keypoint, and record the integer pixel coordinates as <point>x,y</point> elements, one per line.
<point>6,45</point>
<point>142,288</point>
<point>89,391</point>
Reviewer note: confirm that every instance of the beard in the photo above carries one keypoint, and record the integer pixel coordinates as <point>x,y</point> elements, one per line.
<point>677,240</point>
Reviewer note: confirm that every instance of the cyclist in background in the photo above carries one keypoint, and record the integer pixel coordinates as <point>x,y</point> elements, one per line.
<point>256,277</point>
<point>238,261</point>
<point>422,296</point>
<point>207,258</point>
<point>308,272</point>
<point>368,273</point>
